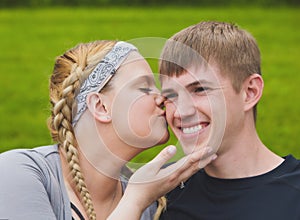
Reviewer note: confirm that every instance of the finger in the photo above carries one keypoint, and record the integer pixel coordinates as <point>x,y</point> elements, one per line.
<point>204,163</point>
<point>162,158</point>
<point>185,172</point>
<point>194,157</point>
<point>198,159</point>
<point>200,154</point>
<point>195,167</point>
<point>193,161</point>
<point>151,171</point>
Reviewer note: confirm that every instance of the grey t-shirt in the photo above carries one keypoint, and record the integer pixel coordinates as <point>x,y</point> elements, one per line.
<point>32,186</point>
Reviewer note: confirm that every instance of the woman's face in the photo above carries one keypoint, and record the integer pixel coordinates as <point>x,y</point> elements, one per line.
<point>137,116</point>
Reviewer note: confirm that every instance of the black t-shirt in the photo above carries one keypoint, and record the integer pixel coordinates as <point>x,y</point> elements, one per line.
<point>271,196</point>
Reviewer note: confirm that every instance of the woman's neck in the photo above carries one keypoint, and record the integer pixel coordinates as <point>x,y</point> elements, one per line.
<point>105,191</point>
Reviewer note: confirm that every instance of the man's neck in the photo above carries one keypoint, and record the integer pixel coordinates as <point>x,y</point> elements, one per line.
<point>244,160</point>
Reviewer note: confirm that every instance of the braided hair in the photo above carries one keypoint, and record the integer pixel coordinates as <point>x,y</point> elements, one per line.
<point>70,70</point>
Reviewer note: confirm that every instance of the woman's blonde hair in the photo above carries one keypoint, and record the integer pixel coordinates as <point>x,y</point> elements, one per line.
<point>162,205</point>
<point>70,71</point>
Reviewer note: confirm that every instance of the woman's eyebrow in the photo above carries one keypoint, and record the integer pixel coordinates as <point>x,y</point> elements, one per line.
<point>143,78</point>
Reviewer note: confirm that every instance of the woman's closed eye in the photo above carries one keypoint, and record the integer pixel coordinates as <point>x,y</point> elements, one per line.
<point>146,90</point>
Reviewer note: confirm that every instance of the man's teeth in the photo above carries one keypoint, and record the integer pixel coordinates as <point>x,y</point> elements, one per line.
<point>191,130</point>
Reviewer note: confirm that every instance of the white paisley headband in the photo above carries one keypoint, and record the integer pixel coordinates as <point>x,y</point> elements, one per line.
<point>100,76</point>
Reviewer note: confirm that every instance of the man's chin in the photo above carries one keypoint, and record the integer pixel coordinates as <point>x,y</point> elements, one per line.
<point>190,148</point>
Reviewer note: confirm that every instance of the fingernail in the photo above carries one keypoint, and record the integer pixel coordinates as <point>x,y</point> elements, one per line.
<point>208,150</point>
<point>214,156</point>
<point>171,149</point>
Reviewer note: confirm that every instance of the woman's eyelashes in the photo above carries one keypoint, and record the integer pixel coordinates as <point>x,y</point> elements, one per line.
<point>146,90</point>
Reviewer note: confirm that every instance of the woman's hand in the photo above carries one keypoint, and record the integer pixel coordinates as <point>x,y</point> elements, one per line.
<point>151,181</point>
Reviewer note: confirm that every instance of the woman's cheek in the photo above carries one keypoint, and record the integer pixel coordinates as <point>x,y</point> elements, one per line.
<point>140,115</point>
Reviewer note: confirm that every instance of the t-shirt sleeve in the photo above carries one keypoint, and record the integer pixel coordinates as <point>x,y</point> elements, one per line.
<point>23,192</point>
<point>149,212</point>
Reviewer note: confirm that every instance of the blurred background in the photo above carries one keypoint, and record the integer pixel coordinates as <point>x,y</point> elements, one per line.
<point>34,32</point>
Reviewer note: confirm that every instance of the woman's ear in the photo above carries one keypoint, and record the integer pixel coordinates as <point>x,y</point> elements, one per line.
<point>253,88</point>
<point>98,107</point>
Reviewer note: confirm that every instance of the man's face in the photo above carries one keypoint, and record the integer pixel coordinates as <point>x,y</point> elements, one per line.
<point>196,107</point>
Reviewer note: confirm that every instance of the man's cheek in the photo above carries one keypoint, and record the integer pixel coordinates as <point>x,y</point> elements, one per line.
<point>169,112</point>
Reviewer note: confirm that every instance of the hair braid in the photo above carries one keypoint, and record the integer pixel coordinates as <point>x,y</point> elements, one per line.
<point>63,124</point>
<point>162,205</point>
<point>69,72</point>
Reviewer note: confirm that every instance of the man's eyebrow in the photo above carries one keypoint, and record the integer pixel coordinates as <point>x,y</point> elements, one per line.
<point>188,86</point>
<point>198,82</point>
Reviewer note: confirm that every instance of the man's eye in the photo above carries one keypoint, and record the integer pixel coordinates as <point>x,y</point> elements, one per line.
<point>170,96</point>
<point>200,89</point>
<point>146,90</point>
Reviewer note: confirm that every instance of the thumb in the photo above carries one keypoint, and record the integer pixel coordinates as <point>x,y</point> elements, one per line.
<point>166,154</point>
<point>150,171</point>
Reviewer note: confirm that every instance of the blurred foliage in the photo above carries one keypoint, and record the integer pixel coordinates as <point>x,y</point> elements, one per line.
<point>32,38</point>
<point>43,3</point>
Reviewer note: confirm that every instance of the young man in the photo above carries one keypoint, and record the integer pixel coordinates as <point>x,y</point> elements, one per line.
<point>211,78</point>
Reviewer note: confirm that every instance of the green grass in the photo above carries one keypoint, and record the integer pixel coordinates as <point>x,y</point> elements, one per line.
<point>31,39</point>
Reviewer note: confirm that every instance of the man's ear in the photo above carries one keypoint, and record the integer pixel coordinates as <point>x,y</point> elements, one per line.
<point>98,107</point>
<point>252,89</point>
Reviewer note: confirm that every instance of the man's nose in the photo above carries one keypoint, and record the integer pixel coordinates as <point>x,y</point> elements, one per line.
<point>159,100</point>
<point>184,107</point>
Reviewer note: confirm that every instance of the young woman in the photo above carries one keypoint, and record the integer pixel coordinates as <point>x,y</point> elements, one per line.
<point>105,110</point>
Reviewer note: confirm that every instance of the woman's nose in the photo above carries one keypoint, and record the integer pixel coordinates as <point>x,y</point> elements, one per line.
<point>159,100</point>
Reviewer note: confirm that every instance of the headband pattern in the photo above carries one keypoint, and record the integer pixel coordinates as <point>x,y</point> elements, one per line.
<point>100,76</point>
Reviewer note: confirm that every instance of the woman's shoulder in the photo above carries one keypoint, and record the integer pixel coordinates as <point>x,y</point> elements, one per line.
<point>29,154</point>
<point>33,174</point>
<point>38,158</point>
